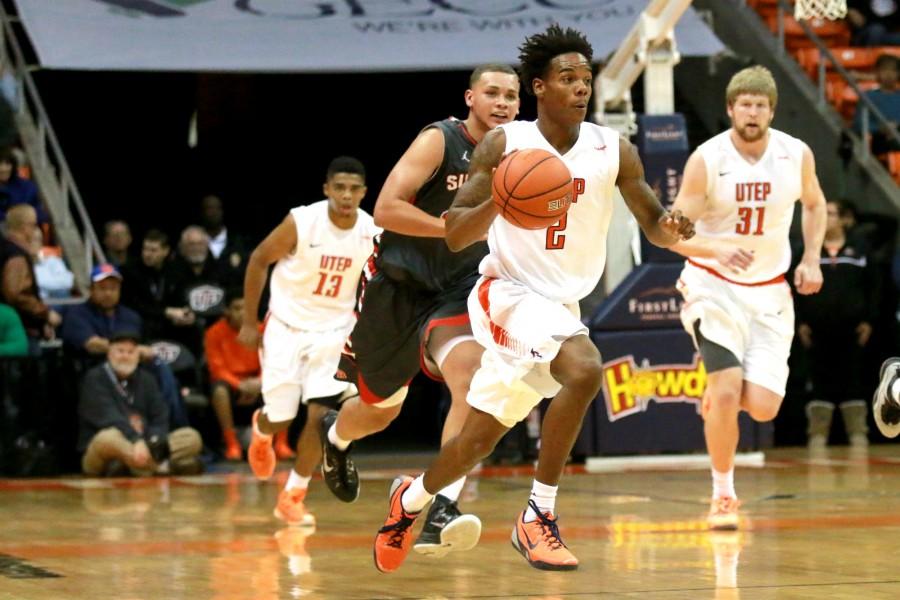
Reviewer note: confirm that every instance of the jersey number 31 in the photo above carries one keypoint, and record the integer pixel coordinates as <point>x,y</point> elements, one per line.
<point>745,226</point>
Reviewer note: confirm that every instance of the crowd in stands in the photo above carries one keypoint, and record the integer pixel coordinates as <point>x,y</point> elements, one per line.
<point>174,314</point>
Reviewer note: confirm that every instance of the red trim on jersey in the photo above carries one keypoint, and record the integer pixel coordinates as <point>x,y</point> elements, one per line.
<point>465,130</point>
<point>455,320</point>
<point>501,336</point>
<point>365,394</point>
<point>778,279</point>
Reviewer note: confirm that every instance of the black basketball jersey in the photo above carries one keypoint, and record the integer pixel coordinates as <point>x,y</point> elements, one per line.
<point>426,262</point>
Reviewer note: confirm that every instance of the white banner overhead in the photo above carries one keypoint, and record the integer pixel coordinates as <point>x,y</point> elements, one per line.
<point>320,35</point>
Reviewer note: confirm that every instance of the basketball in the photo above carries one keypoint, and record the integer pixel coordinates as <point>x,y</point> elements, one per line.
<point>532,188</point>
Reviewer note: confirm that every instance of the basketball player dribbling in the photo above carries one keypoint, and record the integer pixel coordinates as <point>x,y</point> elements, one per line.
<point>524,308</point>
<point>412,302</point>
<point>740,187</point>
<point>318,251</point>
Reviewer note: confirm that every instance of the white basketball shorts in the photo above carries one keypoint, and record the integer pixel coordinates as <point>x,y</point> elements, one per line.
<point>755,322</point>
<point>298,365</point>
<point>521,332</point>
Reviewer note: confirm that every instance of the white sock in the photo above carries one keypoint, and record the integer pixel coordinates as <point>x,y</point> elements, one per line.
<point>895,391</point>
<point>545,498</point>
<point>415,498</point>
<point>337,440</point>
<point>723,484</point>
<point>452,491</point>
<point>296,480</point>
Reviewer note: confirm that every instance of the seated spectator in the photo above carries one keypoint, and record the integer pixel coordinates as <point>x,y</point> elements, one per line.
<point>13,341</point>
<point>198,289</point>
<point>229,250</point>
<point>124,421</point>
<point>116,242</point>
<point>874,22</point>
<point>234,373</point>
<point>19,284</point>
<point>54,279</point>
<point>147,284</point>
<point>887,98</point>
<point>15,190</point>
<point>88,327</point>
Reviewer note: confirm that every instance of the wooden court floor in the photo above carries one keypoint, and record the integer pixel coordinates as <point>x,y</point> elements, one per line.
<point>814,527</point>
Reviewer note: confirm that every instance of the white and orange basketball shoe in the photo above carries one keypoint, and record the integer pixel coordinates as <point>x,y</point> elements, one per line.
<point>723,513</point>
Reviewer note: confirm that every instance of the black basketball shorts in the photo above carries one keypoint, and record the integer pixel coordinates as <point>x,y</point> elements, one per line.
<point>394,320</point>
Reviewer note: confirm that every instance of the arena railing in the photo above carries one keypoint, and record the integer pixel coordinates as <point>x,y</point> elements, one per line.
<point>71,222</point>
<point>865,105</point>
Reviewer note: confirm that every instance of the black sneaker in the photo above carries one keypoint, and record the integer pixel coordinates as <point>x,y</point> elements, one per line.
<point>338,469</point>
<point>446,529</point>
<point>885,409</point>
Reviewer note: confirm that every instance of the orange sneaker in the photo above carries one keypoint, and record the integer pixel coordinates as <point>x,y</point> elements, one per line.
<point>723,513</point>
<point>292,510</point>
<point>539,542</point>
<point>260,454</point>
<point>233,449</point>
<point>394,539</point>
<point>282,449</point>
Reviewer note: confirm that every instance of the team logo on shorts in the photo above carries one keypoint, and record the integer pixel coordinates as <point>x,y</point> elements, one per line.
<point>628,389</point>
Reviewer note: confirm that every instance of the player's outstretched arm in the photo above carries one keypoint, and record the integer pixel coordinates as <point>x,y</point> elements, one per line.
<point>808,274</point>
<point>472,212</point>
<point>394,209</point>
<point>661,227</point>
<point>691,201</point>
<point>279,243</point>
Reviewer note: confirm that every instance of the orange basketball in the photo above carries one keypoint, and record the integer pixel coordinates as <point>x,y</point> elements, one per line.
<point>532,188</point>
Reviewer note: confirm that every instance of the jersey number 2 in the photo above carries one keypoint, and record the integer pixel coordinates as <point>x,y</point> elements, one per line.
<point>556,239</point>
<point>745,220</point>
<point>328,286</point>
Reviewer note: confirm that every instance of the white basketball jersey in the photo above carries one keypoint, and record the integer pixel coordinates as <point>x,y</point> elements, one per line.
<point>314,288</point>
<point>565,261</point>
<point>752,205</point>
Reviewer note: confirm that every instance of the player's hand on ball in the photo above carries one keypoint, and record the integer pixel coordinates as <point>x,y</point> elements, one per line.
<point>678,225</point>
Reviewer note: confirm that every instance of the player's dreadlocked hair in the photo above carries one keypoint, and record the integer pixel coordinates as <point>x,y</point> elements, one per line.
<point>538,50</point>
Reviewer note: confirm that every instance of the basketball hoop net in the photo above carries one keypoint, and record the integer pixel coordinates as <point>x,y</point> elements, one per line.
<point>820,9</point>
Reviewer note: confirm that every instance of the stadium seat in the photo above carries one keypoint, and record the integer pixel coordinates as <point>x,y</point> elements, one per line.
<point>832,33</point>
<point>854,58</point>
